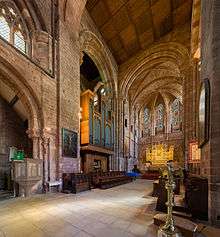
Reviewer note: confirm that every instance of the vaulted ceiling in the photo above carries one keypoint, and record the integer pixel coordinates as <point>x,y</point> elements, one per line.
<point>129,26</point>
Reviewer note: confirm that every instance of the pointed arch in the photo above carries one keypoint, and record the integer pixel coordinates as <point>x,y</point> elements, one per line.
<point>12,78</point>
<point>90,44</point>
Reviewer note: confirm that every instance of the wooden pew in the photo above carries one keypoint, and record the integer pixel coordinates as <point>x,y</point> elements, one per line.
<point>110,179</point>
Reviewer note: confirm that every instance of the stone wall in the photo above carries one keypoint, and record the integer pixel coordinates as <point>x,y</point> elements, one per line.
<point>210,46</point>
<point>51,94</point>
<point>69,92</point>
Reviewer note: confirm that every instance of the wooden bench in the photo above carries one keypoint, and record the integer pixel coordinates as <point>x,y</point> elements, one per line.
<point>110,179</point>
<point>109,182</point>
<point>75,182</point>
<point>151,175</point>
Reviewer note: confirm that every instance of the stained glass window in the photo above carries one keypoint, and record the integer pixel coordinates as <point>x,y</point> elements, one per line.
<point>11,26</point>
<point>176,115</point>
<point>147,121</point>
<point>146,116</point>
<point>160,118</point>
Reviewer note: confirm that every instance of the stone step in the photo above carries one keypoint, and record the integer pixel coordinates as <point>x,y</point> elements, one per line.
<point>186,227</point>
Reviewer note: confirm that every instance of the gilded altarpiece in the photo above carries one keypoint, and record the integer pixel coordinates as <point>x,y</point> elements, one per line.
<point>159,154</point>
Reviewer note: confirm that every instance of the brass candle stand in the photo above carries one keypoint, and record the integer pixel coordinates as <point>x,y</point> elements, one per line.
<point>169,229</point>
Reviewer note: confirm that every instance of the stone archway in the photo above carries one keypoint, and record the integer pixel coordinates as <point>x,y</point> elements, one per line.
<point>174,53</point>
<point>23,133</point>
<point>14,80</point>
<point>159,69</point>
<point>90,44</point>
<point>95,48</point>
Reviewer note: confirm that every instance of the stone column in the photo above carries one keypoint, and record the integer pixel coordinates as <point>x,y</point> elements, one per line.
<point>152,133</point>
<point>120,131</point>
<point>188,107</point>
<point>34,135</point>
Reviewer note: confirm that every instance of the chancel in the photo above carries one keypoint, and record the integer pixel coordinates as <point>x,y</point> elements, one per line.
<point>109,118</point>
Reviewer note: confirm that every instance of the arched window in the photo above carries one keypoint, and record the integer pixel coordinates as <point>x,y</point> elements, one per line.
<point>11,27</point>
<point>147,121</point>
<point>176,115</point>
<point>19,41</point>
<point>4,29</point>
<point>160,118</point>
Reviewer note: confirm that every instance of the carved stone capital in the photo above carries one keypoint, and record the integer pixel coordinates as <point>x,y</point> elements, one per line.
<point>33,133</point>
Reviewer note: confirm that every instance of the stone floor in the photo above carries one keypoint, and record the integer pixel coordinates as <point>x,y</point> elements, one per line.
<point>123,211</point>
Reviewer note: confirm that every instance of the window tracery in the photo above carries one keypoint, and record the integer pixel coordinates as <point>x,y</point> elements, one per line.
<point>160,113</point>
<point>176,117</point>
<point>4,29</point>
<point>147,121</point>
<point>11,27</point>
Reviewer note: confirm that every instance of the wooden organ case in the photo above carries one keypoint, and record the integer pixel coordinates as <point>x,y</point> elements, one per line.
<point>97,132</point>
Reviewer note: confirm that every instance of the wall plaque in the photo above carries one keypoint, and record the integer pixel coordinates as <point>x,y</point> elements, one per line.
<point>194,152</point>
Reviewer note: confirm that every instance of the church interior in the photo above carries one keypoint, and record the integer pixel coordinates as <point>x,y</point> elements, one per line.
<point>109,118</point>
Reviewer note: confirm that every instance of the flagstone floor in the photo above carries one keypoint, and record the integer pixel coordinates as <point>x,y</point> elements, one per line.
<point>123,211</point>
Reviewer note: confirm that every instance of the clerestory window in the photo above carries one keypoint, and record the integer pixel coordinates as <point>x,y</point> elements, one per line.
<point>12,27</point>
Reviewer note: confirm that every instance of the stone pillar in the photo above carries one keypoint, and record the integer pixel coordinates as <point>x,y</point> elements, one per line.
<point>120,131</point>
<point>35,136</point>
<point>188,123</point>
<point>167,114</point>
<point>152,133</point>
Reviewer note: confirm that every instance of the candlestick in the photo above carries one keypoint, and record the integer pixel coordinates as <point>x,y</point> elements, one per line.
<point>169,229</point>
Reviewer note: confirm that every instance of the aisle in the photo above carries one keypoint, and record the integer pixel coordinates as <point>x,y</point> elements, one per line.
<point>123,211</point>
